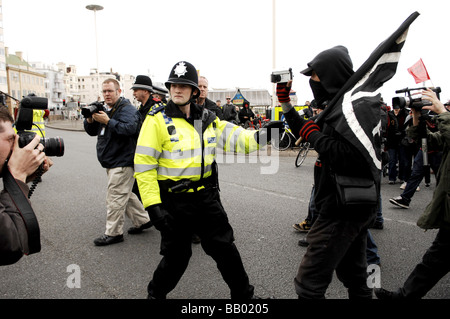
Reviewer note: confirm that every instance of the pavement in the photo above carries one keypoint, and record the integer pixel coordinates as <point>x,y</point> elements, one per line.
<point>70,125</point>
<point>77,125</point>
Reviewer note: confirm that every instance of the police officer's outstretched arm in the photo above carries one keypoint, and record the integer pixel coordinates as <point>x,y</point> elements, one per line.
<point>234,138</point>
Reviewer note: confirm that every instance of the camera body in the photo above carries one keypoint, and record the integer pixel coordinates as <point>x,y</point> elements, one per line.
<point>24,123</point>
<point>92,108</point>
<point>414,103</point>
<point>281,76</point>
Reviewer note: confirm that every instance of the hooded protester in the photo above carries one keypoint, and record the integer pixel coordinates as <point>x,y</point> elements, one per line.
<point>337,239</point>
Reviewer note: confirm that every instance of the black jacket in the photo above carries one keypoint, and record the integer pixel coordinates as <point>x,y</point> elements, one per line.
<point>145,108</point>
<point>116,142</point>
<point>245,112</point>
<point>229,112</point>
<point>210,105</point>
<point>336,155</point>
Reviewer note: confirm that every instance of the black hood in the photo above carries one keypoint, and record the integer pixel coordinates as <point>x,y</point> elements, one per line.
<point>334,67</point>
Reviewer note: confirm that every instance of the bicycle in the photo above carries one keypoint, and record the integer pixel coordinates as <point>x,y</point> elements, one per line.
<point>302,153</point>
<point>284,140</point>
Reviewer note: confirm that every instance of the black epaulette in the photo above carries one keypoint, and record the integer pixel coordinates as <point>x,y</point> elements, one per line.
<point>156,109</point>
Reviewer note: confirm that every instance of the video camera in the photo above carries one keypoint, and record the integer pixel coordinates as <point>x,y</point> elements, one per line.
<point>414,103</point>
<point>92,108</point>
<point>24,123</point>
<point>281,76</point>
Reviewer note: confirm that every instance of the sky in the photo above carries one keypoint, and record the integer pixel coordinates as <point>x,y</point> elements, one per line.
<point>229,42</point>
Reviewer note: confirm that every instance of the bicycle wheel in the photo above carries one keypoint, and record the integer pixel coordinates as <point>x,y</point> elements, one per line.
<point>282,142</point>
<point>302,153</point>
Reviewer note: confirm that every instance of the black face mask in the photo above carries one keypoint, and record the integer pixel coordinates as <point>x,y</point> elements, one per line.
<point>320,94</point>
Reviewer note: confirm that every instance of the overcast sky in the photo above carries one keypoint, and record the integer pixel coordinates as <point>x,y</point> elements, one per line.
<point>230,42</point>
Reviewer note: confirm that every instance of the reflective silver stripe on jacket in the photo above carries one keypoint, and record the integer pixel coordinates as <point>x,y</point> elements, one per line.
<point>149,151</point>
<point>233,138</point>
<point>182,171</point>
<point>140,168</point>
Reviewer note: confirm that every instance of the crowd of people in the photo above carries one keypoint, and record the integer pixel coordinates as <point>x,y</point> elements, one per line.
<point>161,174</point>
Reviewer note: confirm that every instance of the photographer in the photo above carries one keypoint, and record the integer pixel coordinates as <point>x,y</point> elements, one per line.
<point>436,261</point>
<point>22,164</point>
<point>117,128</point>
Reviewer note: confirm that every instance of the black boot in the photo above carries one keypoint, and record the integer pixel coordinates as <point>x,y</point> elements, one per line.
<point>384,294</point>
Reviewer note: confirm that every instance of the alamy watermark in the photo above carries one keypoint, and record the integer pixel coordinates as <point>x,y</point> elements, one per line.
<point>374,276</point>
<point>74,279</point>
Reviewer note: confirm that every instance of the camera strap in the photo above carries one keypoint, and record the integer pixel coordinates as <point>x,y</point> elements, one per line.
<point>26,211</point>
<point>116,107</point>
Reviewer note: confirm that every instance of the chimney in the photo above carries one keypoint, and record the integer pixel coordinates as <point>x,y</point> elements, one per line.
<point>19,55</point>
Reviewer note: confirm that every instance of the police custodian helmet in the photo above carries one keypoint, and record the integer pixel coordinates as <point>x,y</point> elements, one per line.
<point>184,73</point>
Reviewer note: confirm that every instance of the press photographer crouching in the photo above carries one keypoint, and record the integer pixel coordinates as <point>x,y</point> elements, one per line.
<point>19,230</point>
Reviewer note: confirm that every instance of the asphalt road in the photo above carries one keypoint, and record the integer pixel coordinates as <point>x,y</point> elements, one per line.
<point>70,205</point>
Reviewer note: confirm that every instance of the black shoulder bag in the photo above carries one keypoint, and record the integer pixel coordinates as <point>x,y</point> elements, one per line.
<point>354,190</point>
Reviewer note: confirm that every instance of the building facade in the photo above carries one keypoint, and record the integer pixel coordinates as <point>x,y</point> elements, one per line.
<point>54,84</point>
<point>22,79</point>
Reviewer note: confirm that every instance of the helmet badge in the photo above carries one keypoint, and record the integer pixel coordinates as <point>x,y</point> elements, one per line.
<point>180,69</point>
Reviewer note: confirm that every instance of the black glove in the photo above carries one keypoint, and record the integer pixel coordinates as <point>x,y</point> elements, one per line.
<point>265,133</point>
<point>159,217</point>
<point>300,126</point>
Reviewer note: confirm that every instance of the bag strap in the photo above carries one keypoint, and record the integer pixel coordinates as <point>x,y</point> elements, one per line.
<point>26,211</point>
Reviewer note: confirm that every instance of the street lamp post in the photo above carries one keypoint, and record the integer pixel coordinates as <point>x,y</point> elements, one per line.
<point>274,50</point>
<point>95,8</point>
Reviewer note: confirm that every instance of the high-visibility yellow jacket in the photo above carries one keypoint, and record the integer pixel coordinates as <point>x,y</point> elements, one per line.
<point>170,147</point>
<point>38,120</point>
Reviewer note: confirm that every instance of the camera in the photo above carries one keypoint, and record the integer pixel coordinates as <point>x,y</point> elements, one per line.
<point>281,76</point>
<point>52,146</point>
<point>92,108</point>
<point>24,122</point>
<point>414,103</point>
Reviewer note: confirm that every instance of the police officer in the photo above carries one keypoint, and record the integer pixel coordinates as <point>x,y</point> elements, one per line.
<point>142,92</point>
<point>177,176</point>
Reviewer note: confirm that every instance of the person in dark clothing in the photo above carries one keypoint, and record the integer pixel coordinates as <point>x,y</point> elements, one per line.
<point>397,146</point>
<point>338,238</point>
<point>229,111</point>
<point>246,114</point>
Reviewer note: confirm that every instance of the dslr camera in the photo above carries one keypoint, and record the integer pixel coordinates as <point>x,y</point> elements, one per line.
<point>92,108</point>
<point>24,122</point>
<point>414,103</point>
<point>281,76</point>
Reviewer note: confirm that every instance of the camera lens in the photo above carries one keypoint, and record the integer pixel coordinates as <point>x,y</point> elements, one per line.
<point>54,146</point>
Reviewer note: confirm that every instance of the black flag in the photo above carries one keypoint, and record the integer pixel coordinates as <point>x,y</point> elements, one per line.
<point>355,110</point>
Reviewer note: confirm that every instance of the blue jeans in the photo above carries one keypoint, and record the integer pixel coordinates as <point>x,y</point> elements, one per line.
<point>418,173</point>
<point>402,155</point>
<point>372,250</point>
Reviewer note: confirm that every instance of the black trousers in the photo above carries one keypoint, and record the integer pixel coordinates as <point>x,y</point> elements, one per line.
<point>203,214</point>
<point>435,265</point>
<point>335,245</point>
